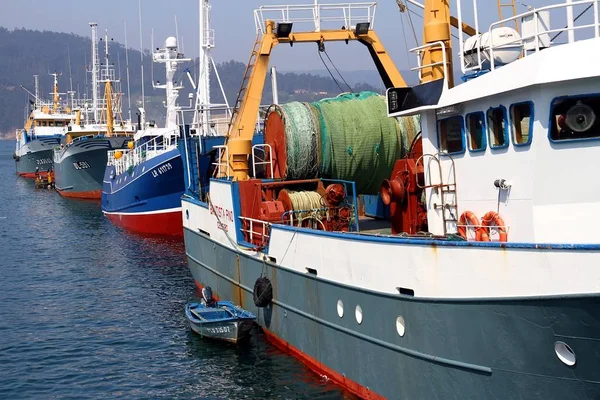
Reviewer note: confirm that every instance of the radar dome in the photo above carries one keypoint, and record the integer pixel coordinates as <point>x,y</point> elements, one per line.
<point>171,43</point>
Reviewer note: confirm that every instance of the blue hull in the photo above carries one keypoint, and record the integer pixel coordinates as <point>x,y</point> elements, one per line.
<point>147,197</point>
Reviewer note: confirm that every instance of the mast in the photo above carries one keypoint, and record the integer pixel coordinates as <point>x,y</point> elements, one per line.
<point>207,42</point>
<point>55,96</point>
<point>436,28</point>
<point>127,69</point>
<point>108,78</point>
<point>171,57</point>
<point>95,69</point>
<point>36,79</point>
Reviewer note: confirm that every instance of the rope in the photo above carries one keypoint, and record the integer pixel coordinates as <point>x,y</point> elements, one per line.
<point>309,203</point>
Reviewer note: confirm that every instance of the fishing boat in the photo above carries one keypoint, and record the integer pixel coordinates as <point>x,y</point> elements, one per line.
<point>80,159</point>
<point>483,282</point>
<point>45,126</point>
<point>221,320</point>
<point>143,185</point>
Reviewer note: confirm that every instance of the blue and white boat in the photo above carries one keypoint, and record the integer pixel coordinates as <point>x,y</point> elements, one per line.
<point>142,185</point>
<point>220,320</point>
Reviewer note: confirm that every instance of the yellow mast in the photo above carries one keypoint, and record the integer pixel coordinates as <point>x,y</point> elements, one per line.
<point>242,129</point>
<point>436,28</point>
<point>55,97</point>
<point>109,109</point>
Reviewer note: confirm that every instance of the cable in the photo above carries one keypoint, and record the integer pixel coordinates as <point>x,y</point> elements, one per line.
<point>330,74</point>
<point>332,63</point>
<point>575,19</point>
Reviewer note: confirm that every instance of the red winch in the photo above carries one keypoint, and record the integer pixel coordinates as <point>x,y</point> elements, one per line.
<point>403,192</point>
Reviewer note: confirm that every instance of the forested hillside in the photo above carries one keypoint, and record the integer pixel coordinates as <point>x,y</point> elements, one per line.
<point>26,53</point>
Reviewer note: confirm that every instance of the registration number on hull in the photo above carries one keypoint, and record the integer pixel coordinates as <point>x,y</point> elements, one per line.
<point>162,169</point>
<point>43,161</point>
<point>81,165</point>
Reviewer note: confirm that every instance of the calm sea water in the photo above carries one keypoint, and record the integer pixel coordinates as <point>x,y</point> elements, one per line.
<point>90,311</point>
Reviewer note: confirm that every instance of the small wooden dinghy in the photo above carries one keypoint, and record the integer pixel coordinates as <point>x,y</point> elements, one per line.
<point>220,320</point>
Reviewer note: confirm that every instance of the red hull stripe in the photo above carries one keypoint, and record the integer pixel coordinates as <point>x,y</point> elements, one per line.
<point>315,365</point>
<point>32,174</point>
<point>170,223</point>
<point>92,194</point>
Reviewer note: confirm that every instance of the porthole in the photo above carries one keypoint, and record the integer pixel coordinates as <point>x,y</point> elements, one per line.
<point>340,308</point>
<point>358,313</point>
<point>400,325</point>
<point>565,353</point>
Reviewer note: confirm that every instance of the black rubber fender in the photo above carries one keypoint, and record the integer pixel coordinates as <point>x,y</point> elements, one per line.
<point>263,292</point>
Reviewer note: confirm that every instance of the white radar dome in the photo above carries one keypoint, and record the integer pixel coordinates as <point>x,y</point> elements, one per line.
<point>171,43</point>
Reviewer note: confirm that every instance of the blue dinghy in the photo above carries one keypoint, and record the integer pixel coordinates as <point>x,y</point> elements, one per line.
<point>221,320</point>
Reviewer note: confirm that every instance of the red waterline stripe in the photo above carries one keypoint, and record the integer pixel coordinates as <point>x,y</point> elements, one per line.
<point>170,223</point>
<point>315,365</point>
<point>92,194</point>
<point>322,369</point>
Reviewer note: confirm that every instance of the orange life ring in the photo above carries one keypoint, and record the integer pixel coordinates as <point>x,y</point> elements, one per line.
<point>493,219</point>
<point>468,218</point>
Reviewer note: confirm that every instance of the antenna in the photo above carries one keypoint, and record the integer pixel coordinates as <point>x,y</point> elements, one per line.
<point>95,69</point>
<point>70,72</point>
<point>36,79</point>
<point>141,53</point>
<point>152,64</point>
<point>127,69</point>
<point>177,31</point>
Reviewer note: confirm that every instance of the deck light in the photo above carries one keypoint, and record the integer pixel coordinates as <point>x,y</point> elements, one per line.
<point>283,29</point>
<point>362,28</point>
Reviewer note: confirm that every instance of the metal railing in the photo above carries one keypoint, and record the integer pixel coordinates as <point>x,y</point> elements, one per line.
<point>444,62</point>
<point>262,161</point>
<point>130,158</point>
<point>219,164</point>
<point>317,16</point>
<point>258,236</point>
<point>537,37</point>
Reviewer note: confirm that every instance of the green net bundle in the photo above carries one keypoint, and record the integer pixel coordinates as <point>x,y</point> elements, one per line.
<point>349,137</point>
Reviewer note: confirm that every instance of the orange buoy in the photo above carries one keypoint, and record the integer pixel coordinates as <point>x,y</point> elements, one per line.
<point>493,220</point>
<point>469,219</point>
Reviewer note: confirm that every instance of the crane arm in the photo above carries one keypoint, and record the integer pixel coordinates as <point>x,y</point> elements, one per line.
<point>242,129</point>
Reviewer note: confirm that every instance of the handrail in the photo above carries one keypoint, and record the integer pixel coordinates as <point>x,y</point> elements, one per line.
<point>444,61</point>
<point>534,37</point>
<point>263,162</point>
<point>219,164</point>
<point>263,236</point>
<point>316,14</point>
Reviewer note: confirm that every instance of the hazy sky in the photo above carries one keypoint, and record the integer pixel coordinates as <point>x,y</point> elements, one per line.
<point>233,23</point>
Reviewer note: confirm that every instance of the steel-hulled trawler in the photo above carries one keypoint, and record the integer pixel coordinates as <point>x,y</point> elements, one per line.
<point>45,126</point>
<point>484,282</point>
<point>80,160</point>
<point>143,185</point>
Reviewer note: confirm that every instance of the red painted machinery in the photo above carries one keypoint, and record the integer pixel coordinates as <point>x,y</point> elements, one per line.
<point>403,193</point>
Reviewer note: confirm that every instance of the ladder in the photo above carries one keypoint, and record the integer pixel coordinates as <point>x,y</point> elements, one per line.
<point>446,190</point>
<point>508,4</point>
<point>244,85</point>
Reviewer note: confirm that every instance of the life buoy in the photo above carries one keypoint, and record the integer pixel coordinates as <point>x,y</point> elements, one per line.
<point>468,218</point>
<point>263,292</point>
<point>493,220</point>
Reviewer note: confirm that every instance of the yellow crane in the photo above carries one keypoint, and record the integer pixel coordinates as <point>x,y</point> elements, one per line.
<point>248,102</point>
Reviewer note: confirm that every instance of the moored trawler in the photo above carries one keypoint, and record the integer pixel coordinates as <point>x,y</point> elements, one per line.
<point>43,130</point>
<point>483,282</point>
<point>80,160</point>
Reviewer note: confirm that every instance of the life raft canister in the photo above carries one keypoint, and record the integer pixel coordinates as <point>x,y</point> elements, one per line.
<point>469,219</point>
<point>493,220</point>
<point>263,292</point>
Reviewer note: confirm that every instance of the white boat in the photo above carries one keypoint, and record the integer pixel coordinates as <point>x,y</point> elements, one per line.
<point>500,298</point>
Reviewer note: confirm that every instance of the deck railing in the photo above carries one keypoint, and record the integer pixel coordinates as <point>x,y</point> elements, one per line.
<point>255,231</point>
<point>315,17</point>
<point>534,35</point>
<point>130,158</point>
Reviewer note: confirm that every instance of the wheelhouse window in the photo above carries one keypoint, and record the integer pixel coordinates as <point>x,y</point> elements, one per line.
<point>575,118</point>
<point>521,116</point>
<point>497,127</point>
<point>476,131</point>
<point>451,135</point>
